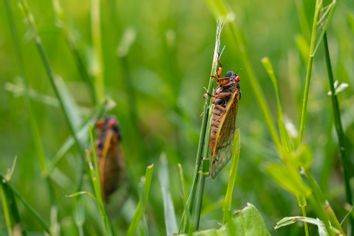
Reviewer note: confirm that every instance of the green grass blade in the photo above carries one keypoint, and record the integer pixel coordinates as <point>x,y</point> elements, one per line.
<point>321,205</point>
<point>302,45</point>
<point>95,181</point>
<point>142,202</point>
<point>30,21</point>
<point>286,221</point>
<point>81,134</point>
<point>9,205</point>
<point>183,186</point>
<point>281,124</point>
<point>9,196</point>
<point>326,16</point>
<point>169,210</point>
<point>185,217</point>
<point>222,10</point>
<point>69,103</point>
<point>70,40</point>
<point>33,123</point>
<point>79,216</point>
<point>6,209</point>
<point>287,176</point>
<point>301,13</point>
<point>31,210</point>
<point>311,55</point>
<point>98,68</point>
<point>232,179</point>
<point>343,148</point>
<point>202,134</point>
<point>204,172</point>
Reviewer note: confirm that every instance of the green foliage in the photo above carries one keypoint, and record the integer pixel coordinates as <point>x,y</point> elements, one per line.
<point>247,221</point>
<point>64,64</point>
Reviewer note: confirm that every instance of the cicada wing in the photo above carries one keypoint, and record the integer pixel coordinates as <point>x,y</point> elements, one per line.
<point>222,150</point>
<point>111,165</point>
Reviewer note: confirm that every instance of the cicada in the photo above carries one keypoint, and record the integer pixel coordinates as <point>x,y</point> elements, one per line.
<point>223,121</point>
<point>110,156</point>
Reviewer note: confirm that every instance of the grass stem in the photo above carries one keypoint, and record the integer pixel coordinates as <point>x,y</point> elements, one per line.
<point>199,157</point>
<point>97,46</point>
<point>49,70</point>
<point>344,157</point>
<point>309,68</point>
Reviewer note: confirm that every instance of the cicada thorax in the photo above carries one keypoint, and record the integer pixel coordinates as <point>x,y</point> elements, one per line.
<point>223,120</point>
<point>110,157</point>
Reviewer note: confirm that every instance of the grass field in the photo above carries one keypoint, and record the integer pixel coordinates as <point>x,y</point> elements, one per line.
<point>64,64</point>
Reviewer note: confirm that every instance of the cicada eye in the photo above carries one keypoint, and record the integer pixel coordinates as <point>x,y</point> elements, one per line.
<point>229,74</point>
<point>238,79</point>
<point>112,123</point>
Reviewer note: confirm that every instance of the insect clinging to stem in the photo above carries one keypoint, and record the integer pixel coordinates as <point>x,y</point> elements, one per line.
<point>223,120</point>
<point>110,156</point>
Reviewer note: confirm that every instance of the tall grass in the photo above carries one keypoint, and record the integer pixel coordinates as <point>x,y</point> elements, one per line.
<point>153,67</point>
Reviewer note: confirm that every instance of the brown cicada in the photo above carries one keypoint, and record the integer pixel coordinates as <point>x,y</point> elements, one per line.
<point>110,157</point>
<point>225,105</point>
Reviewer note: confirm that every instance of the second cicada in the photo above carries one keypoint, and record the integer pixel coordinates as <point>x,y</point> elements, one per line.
<point>110,156</point>
<point>225,102</point>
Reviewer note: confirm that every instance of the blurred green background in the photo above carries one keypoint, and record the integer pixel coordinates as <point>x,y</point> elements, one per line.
<point>156,58</point>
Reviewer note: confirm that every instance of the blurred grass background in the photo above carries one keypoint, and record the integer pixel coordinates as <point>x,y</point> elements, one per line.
<point>156,60</point>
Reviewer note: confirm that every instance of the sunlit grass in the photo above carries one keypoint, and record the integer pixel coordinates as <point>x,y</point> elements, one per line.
<point>152,61</point>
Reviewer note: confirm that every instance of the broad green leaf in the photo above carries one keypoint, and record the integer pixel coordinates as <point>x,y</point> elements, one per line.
<point>245,222</point>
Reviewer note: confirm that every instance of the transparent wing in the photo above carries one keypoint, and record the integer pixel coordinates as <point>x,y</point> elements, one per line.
<point>223,147</point>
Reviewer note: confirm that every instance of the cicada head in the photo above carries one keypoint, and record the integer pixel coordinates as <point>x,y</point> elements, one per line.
<point>104,127</point>
<point>232,79</point>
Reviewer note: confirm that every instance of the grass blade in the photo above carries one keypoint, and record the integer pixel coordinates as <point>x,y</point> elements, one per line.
<point>343,148</point>
<point>169,210</point>
<point>281,124</point>
<point>9,205</point>
<point>72,45</point>
<point>30,20</point>
<point>320,225</point>
<point>142,202</point>
<point>9,196</point>
<point>232,179</point>
<point>95,181</point>
<point>97,46</point>
<point>69,103</point>
<point>33,123</point>
<point>81,134</point>
<point>220,9</point>
<point>311,55</point>
<point>31,210</point>
<point>192,195</point>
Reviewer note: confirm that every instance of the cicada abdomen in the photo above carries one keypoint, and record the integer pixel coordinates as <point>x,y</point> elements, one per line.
<point>110,156</point>
<point>223,121</point>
